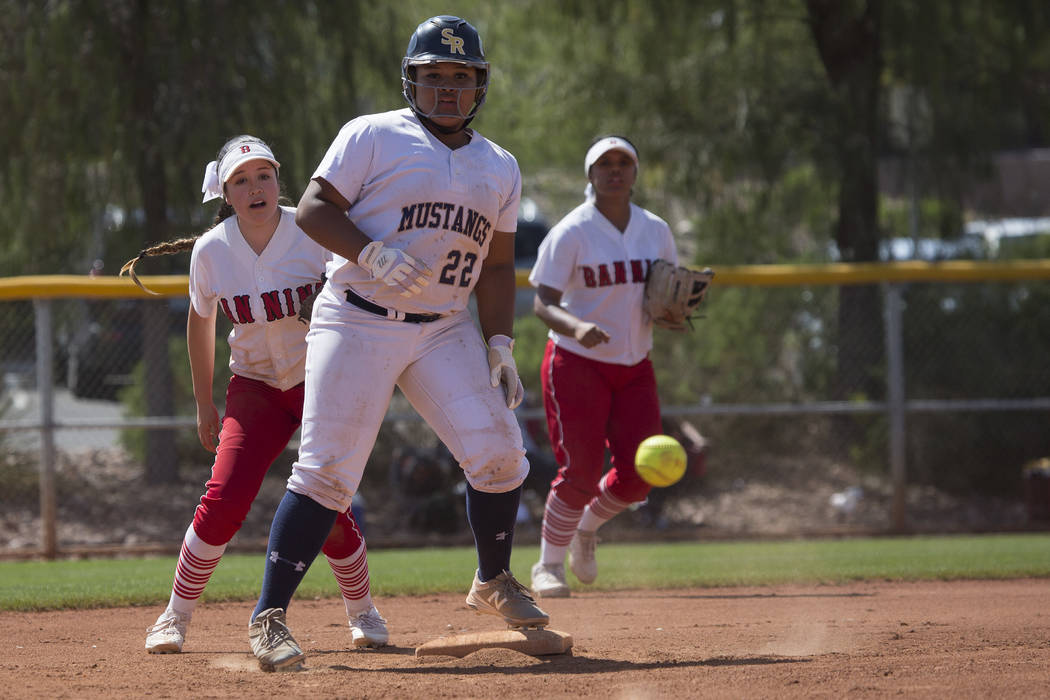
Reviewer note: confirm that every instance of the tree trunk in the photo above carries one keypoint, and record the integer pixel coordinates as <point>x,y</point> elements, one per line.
<point>147,139</point>
<point>847,36</point>
<point>161,457</point>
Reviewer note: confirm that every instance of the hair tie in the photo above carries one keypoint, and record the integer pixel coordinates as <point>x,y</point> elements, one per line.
<point>211,189</point>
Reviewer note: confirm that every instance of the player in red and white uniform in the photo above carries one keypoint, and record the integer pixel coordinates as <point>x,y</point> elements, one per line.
<point>420,212</point>
<point>598,384</point>
<point>257,267</point>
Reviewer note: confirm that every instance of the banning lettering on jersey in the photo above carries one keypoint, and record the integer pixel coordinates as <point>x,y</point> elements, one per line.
<point>448,216</point>
<point>277,304</point>
<point>606,274</point>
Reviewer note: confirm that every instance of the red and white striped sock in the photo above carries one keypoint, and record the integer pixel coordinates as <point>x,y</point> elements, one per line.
<point>352,575</point>
<point>602,508</point>
<point>197,561</point>
<point>559,525</point>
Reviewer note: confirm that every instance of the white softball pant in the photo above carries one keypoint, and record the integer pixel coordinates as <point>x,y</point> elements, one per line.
<point>353,361</point>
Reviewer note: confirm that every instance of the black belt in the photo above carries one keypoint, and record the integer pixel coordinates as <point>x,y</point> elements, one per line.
<point>393,314</point>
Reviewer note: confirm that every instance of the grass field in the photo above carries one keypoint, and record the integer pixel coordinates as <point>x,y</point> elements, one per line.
<point>29,586</point>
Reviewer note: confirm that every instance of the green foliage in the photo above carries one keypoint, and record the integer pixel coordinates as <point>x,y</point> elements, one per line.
<point>530,342</point>
<point>753,344</point>
<point>133,397</point>
<point>30,586</point>
<point>932,218</point>
<point>974,342</point>
<point>753,223</point>
<point>728,103</point>
<point>18,321</point>
<point>19,475</point>
<point>1034,247</point>
<point>90,138</point>
<point>734,107</point>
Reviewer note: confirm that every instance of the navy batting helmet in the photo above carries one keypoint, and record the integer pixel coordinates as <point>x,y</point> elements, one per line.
<point>444,39</point>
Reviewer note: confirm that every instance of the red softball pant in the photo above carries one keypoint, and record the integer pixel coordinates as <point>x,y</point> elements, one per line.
<point>592,405</point>
<point>259,422</point>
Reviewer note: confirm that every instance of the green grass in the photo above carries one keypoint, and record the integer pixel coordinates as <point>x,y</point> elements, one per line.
<point>26,586</point>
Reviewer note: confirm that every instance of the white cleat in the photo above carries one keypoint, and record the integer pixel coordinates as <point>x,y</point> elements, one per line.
<point>548,580</point>
<point>167,635</point>
<point>581,556</point>
<point>369,629</point>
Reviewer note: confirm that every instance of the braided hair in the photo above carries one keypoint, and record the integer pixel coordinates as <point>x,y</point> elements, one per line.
<point>179,245</point>
<point>167,248</point>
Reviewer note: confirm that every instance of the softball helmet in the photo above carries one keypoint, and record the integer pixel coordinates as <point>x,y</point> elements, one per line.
<point>444,39</point>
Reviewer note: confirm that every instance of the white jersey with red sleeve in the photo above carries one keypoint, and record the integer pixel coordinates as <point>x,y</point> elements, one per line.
<point>601,274</point>
<point>412,192</point>
<point>260,295</point>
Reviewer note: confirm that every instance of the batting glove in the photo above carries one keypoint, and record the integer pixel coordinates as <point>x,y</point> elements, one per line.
<point>395,268</point>
<point>503,370</point>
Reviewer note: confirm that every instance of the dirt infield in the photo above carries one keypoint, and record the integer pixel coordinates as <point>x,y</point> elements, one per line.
<point>964,639</point>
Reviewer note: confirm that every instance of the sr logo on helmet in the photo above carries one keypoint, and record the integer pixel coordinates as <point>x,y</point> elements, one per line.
<point>455,43</point>
<point>445,39</point>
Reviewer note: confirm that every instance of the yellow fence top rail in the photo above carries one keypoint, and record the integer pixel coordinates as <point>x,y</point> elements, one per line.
<point>74,286</point>
<point>869,273</point>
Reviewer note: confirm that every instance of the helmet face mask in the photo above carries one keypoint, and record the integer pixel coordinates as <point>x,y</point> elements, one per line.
<point>445,39</point>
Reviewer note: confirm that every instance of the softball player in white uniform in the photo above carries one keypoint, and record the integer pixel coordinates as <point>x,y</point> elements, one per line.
<point>598,384</point>
<point>257,267</point>
<point>420,212</point>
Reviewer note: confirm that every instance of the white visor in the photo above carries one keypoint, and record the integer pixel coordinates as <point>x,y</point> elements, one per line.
<point>600,148</point>
<point>216,174</point>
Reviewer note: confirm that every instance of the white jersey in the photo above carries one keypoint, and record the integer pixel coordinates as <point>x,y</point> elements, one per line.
<point>260,294</point>
<point>412,192</point>
<point>601,275</point>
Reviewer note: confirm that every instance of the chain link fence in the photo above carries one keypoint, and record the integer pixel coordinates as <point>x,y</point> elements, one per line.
<point>817,399</point>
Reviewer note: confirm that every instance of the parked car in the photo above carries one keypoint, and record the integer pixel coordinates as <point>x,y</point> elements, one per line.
<point>527,242</point>
<point>109,345</point>
<point>532,228</point>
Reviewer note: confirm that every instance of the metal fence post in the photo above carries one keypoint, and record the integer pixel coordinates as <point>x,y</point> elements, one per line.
<point>895,408</point>
<point>46,394</point>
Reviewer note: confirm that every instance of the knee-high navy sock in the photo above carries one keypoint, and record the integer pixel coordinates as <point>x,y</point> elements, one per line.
<point>299,529</point>
<point>492,517</point>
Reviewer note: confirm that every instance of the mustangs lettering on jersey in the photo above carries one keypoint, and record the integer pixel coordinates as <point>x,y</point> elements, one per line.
<point>447,216</point>
<point>457,268</point>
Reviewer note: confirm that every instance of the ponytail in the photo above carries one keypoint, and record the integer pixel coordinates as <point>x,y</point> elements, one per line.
<point>168,248</point>
<point>171,247</point>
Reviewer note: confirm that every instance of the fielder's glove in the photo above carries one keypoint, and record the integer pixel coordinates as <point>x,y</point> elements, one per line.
<point>306,309</point>
<point>673,293</point>
<point>395,268</point>
<point>502,369</point>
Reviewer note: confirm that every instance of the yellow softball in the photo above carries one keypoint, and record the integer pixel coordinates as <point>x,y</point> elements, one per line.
<point>660,460</point>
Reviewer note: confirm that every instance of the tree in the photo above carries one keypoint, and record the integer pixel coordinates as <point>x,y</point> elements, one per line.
<point>761,124</point>
<point>121,103</point>
<point>848,38</point>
